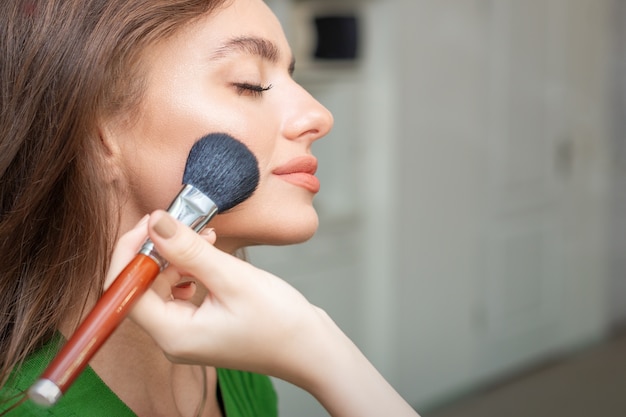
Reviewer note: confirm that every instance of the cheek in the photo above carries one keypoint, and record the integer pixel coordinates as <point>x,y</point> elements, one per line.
<point>154,179</point>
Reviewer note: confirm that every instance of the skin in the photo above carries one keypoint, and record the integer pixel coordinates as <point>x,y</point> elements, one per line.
<point>198,82</point>
<point>243,324</point>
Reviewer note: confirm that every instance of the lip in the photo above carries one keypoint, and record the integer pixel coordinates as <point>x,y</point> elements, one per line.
<point>300,171</point>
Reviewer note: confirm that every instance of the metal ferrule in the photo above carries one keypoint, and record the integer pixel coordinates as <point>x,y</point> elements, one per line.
<point>192,208</point>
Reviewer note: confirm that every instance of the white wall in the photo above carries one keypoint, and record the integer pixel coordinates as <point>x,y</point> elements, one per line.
<point>617,288</point>
<point>424,248</point>
<point>504,145</point>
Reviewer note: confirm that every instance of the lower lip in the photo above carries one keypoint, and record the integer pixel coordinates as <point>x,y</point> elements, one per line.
<point>307,181</point>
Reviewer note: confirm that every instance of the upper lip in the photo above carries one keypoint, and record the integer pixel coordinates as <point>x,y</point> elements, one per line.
<point>301,164</point>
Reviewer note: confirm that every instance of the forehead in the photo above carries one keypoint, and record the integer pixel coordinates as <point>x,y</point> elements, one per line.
<point>244,26</point>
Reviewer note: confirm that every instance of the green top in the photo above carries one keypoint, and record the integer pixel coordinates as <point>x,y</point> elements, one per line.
<point>243,394</point>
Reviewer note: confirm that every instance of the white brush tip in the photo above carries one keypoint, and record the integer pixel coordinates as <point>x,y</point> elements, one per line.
<point>44,392</point>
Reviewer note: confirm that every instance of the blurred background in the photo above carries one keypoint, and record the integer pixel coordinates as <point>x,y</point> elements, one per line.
<point>473,203</point>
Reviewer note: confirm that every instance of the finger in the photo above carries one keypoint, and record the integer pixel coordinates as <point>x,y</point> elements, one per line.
<point>157,316</point>
<point>125,249</point>
<point>184,290</point>
<point>169,285</point>
<point>191,253</point>
<point>164,282</point>
<point>209,235</point>
<point>172,282</point>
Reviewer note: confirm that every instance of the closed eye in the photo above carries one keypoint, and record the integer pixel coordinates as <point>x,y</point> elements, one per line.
<point>249,89</point>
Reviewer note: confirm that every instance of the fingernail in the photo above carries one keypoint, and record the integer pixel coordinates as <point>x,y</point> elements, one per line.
<point>207,231</point>
<point>185,284</point>
<point>165,227</point>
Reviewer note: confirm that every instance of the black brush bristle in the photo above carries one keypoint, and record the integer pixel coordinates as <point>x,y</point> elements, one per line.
<point>223,169</point>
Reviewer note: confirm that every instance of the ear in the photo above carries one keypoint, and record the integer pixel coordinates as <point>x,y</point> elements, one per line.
<point>111,154</point>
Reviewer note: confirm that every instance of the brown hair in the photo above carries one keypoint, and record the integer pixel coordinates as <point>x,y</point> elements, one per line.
<point>66,65</point>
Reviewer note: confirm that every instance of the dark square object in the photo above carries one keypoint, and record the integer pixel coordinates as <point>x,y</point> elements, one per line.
<point>337,37</point>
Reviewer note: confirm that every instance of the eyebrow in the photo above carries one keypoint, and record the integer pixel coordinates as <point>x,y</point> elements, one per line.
<point>251,45</point>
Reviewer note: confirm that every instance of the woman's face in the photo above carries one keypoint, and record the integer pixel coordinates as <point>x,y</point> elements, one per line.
<point>229,72</point>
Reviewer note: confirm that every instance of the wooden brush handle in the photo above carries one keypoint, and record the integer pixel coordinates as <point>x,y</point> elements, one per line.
<point>107,314</point>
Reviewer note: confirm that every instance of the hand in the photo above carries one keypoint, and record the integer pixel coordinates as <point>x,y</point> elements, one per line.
<point>251,320</point>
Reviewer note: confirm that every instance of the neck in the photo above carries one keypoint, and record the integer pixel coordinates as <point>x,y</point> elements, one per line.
<point>136,370</point>
<point>130,358</point>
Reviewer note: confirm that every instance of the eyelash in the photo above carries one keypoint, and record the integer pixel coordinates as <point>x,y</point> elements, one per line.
<point>254,90</point>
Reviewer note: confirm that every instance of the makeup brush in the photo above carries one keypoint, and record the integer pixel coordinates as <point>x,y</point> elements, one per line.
<point>219,174</point>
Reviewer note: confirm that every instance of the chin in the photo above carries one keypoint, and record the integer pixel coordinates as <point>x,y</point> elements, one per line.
<point>283,230</point>
<point>295,229</point>
<point>293,237</point>
<point>289,232</point>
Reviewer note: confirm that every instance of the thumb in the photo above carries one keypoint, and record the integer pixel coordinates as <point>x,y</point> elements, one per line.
<point>189,252</point>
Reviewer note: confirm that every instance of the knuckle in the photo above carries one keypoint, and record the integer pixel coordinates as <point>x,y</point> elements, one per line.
<point>189,250</point>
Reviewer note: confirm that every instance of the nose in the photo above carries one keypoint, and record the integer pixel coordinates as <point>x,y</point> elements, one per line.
<point>306,117</point>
